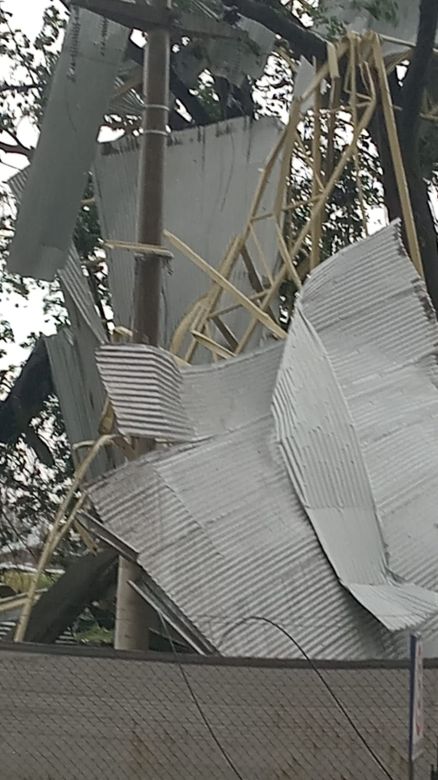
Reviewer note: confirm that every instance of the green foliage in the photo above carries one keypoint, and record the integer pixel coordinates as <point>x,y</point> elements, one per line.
<point>385,10</point>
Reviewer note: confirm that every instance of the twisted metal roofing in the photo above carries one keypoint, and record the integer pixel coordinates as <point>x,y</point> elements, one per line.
<point>238,524</point>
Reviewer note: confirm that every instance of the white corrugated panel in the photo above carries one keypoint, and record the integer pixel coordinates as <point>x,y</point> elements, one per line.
<point>323,457</point>
<point>74,285</point>
<point>72,356</point>
<point>80,391</point>
<point>218,526</point>
<point>144,386</point>
<point>383,350</point>
<point>211,175</point>
<point>79,95</point>
<point>222,534</point>
<point>152,397</point>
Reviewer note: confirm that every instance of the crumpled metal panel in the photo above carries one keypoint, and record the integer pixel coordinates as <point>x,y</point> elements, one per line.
<point>144,386</point>
<point>211,175</point>
<point>323,457</point>
<point>79,95</point>
<point>217,524</point>
<point>221,533</point>
<point>384,353</point>
<point>153,397</point>
<point>235,62</point>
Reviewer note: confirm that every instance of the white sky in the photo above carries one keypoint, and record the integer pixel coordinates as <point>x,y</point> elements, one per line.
<point>24,318</point>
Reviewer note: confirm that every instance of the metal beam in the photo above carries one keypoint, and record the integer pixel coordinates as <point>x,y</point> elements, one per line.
<point>149,17</point>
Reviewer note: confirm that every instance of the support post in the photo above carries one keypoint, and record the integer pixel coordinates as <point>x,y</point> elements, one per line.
<point>131,614</point>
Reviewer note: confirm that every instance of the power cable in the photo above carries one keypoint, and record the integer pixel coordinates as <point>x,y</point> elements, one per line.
<point>196,702</point>
<point>335,698</point>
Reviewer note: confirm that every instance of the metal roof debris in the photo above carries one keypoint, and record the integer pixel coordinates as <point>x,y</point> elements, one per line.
<point>80,93</point>
<point>80,391</point>
<point>222,525</point>
<point>72,354</point>
<point>323,456</point>
<point>153,397</point>
<point>153,383</point>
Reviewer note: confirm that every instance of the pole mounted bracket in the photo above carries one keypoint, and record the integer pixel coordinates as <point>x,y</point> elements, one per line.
<point>147,17</point>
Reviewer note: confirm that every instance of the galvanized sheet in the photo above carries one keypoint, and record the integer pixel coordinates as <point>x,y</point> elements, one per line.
<point>218,526</point>
<point>144,386</point>
<point>79,95</point>
<point>72,356</point>
<point>152,397</point>
<point>384,353</point>
<point>323,457</point>
<point>220,531</point>
<point>211,174</point>
<point>75,288</point>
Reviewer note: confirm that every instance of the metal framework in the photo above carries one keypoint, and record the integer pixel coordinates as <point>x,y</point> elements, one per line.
<point>348,85</point>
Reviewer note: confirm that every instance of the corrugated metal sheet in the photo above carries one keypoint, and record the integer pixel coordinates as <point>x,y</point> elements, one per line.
<point>219,528</point>
<point>220,531</point>
<point>144,386</point>
<point>79,95</point>
<point>384,352</point>
<point>323,457</point>
<point>211,175</point>
<point>151,396</point>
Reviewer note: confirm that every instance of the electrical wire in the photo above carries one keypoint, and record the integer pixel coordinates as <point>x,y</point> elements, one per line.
<point>255,618</point>
<point>196,702</point>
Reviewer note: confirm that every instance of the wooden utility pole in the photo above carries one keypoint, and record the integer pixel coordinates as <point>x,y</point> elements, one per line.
<point>131,611</point>
<point>147,288</point>
<point>156,18</point>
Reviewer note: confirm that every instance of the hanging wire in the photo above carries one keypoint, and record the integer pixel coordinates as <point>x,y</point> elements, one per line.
<point>261,619</point>
<point>196,702</point>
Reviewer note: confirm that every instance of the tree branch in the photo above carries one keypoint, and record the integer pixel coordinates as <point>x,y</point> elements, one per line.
<point>16,87</point>
<point>303,41</point>
<point>15,149</point>
<point>26,398</point>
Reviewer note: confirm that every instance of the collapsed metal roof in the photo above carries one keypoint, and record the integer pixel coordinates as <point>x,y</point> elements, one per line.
<point>292,506</point>
<point>71,354</point>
